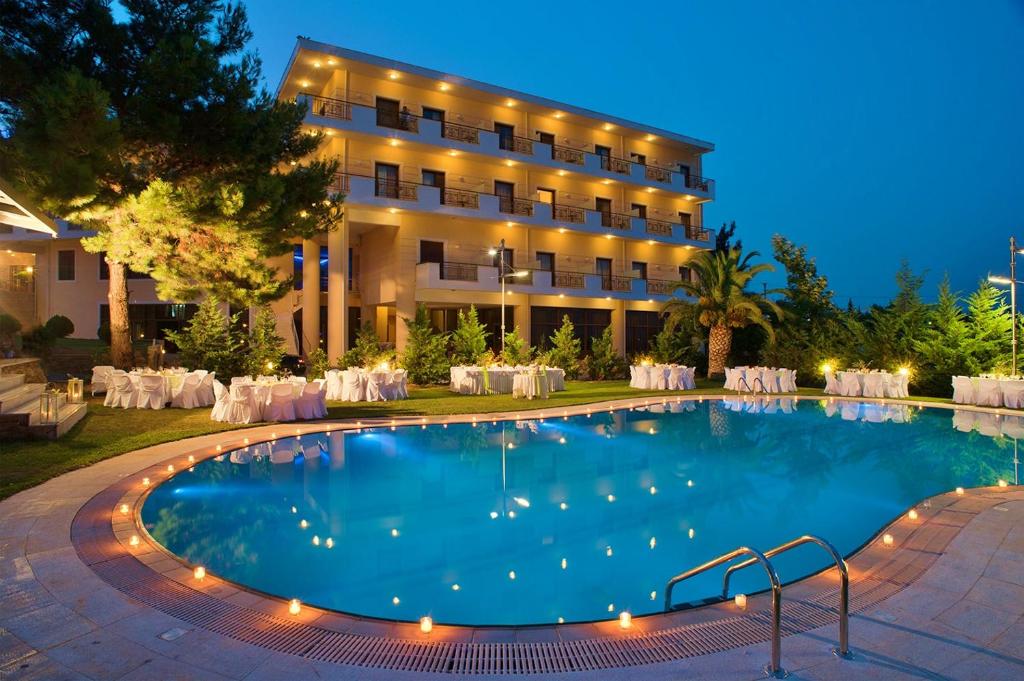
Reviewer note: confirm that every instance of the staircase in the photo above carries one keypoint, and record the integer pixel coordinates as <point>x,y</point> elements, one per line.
<point>19,411</point>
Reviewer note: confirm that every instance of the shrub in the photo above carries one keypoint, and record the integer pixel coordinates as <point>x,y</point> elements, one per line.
<point>604,363</point>
<point>38,342</point>
<point>103,333</point>
<point>516,350</point>
<point>9,328</point>
<point>60,326</point>
<point>366,351</point>
<point>317,364</point>
<point>426,351</point>
<point>469,341</point>
<point>211,341</point>
<point>565,349</point>
<point>264,347</point>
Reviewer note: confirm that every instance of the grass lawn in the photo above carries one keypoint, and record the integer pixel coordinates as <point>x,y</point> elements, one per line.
<point>106,432</point>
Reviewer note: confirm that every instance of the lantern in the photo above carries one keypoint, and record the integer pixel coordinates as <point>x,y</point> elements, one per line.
<point>76,390</point>
<point>49,406</point>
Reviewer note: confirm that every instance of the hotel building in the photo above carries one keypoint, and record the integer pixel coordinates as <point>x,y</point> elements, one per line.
<point>598,216</point>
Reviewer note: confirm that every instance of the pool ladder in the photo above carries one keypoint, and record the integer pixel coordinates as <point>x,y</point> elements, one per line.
<point>774,667</point>
<point>743,380</point>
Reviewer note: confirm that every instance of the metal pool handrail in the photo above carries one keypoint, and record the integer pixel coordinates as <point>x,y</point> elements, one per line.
<point>774,667</point>
<point>844,582</point>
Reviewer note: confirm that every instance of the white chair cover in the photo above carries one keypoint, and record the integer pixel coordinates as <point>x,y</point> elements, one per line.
<point>205,394</point>
<point>311,404</point>
<point>677,378</point>
<point>632,376</point>
<point>659,378</point>
<point>1013,392</point>
<point>988,393</point>
<point>963,390</point>
<point>832,384</point>
<point>242,407</point>
<point>281,402</point>
<point>731,379</point>
<point>222,401</point>
<point>151,393</point>
<point>643,377</point>
<point>353,386</point>
<point>120,391</point>
<point>334,385</point>
<point>375,386</point>
<point>874,385</point>
<point>100,379</point>
<point>187,396</point>
<point>401,389</point>
<point>849,383</point>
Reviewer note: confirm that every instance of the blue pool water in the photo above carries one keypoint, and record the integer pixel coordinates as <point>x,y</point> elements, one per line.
<point>412,512</point>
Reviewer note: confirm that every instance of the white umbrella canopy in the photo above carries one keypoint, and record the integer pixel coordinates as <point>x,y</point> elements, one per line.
<point>17,212</point>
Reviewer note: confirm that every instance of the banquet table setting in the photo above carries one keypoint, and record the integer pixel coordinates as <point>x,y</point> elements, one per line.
<point>143,388</point>
<point>760,379</point>
<point>989,390</point>
<point>864,383</point>
<point>646,376</point>
<point>377,384</point>
<point>519,381</point>
<point>267,398</point>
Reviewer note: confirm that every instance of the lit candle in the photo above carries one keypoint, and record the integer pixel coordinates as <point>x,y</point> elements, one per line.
<point>329,543</point>
<point>1003,483</point>
<point>199,573</point>
<point>124,509</point>
<point>134,541</point>
<point>191,458</point>
<point>316,540</point>
<point>741,601</point>
<point>245,440</point>
<point>426,625</point>
<point>561,620</point>
<point>912,514</point>
<point>303,524</point>
<point>625,620</point>
<point>959,491</point>
<point>170,468</point>
<point>887,539</point>
<point>145,482</point>
<point>294,606</point>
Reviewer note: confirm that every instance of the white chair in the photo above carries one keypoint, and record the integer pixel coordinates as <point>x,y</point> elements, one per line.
<point>632,376</point>
<point>1013,393</point>
<point>832,384</point>
<point>401,387</point>
<point>222,400</point>
<point>100,379</point>
<point>280,402</point>
<point>205,393</point>
<point>152,392</point>
<point>353,386</point>
<point>963,390</point>
<point>873,385</point>
<point>849,384</point>
<point>311,404</point>
<point>731,379</point>
<point>988,394</point>
<point>659,378</point>
<point>120,391</point>
<point>375,382</point>
<point>242,406</point>
<point>187,397</point>
<point>334,385</point>
<point>689,383</point>
<point>677,378</point>
<point>643,377</point>
<point>790,380</point>
<point>770,380</point>
<point>902,385</point>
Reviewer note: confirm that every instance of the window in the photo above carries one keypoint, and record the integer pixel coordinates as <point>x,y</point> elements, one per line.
<point>685,219</point>
<point>386,180</point>
<point>148,321</point>
<point>105,270</point>
<point>639,269</point>
<point>431,251</point>
<point>65,265</point>
<point>639,210</point>
<point>605,154</point>
<point>603,267</point>
<point>545,261</point>
<point>587,323</point>
<point>387,112</point>
<point>433,114</point>
<point>434,178</point>
<point>507,254</point>
<point>641,328</point>
<point>604,207</point>
<point>685,274</point>
<point>297,260</point>
<point>638,158</point>
<point>506,135</point>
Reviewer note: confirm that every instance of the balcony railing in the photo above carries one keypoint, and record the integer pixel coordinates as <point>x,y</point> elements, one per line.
<point>406,120</point>
<point>460,198</point>
<point>695,233</point>
<point>392,189</point>
<point>659,227</point>
<point>568,279</point>
<point>562,213</point>
<point>661,287</point>
<point>612,282</point>
<point>515,206</point>
<point>459,271</point>
<point>615,220</point>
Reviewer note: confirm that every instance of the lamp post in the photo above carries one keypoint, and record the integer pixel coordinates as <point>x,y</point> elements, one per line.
<point>502,275</point>
<point>1011,281</point>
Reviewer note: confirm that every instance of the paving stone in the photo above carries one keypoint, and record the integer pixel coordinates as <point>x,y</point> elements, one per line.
<point>101,654</point>
<point>38,667</point>
<point>49,626</point>
<point>977,621</point>
<point>999,594</point>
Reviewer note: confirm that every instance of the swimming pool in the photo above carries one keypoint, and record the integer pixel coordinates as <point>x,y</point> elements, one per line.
<point>565,519</point>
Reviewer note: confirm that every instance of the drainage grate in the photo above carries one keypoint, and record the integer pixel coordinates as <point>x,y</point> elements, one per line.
<point>96,545</point>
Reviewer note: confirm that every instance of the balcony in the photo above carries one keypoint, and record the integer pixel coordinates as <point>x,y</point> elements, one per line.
<point>389,193</point>
<point>460,276</point>
<point>471,134</point>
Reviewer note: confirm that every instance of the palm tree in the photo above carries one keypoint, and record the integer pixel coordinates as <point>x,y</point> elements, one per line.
<point>723,303</point>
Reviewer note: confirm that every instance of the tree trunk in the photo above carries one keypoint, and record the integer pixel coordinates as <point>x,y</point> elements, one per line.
<point>719,344</point>
<point>121,354</point>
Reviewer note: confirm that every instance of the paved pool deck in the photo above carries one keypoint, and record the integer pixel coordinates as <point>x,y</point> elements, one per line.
<point>80,600</point>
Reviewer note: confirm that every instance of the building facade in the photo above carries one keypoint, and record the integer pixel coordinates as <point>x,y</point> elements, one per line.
<point>598,216</point>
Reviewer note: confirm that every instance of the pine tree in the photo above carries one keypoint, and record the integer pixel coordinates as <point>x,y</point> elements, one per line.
<point>265,348</point>
<point>146,122</point>
<point>989,328</point>
<point>604,362</point>
<point>565,349</point>
<point>426,350</point>
<point>946,348</point>
<point>516,351</point>
<point>469,340</point>
<point>210,341</point>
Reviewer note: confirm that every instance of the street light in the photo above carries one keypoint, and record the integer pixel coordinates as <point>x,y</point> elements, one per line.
<point>1011,281</point>
<point>502,276</point>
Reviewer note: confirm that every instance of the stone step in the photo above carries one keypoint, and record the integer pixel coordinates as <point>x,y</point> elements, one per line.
<point>25,425</point>
<point>10,381</point>
<point>22,398</point>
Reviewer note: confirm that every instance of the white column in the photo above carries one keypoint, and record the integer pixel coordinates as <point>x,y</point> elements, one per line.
<point>337,290</point>
<point>310,296</point>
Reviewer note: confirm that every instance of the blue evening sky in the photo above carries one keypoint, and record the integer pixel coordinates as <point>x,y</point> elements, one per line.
<point>869,132</point>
